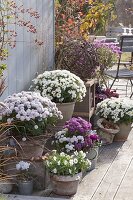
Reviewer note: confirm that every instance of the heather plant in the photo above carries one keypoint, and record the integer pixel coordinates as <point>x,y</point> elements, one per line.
<point>78,56</point>
<point>107,54</point>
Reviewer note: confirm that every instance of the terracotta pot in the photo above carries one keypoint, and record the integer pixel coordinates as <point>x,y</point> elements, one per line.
<point>65,185</point>
<point>92,155</point>
<point>5,187</point>
<point>67,112</point>
<point>122,135</point>
<point>106,135</point>
<point>32,147</point>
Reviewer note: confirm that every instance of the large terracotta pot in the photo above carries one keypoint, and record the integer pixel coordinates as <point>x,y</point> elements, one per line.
<point>67,112</point>
<point>65,185</point>
<point>122,135</point>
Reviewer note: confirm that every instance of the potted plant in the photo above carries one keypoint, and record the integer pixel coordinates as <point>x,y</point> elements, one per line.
<point>104,93</point>
<point>119,111</point>
<point>28,114</point>
<point>78,56</point>
<point>24,178</point>
<point>63,88</point>
<point>77,135</point>
<point>81,58</point>
<point>66,171</point>
<point>107,54</point>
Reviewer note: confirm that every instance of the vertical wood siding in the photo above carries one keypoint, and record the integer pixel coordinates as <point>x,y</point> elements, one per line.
<point>27,59</point>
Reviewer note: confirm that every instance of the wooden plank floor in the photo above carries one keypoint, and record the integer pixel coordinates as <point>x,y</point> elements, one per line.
<point>113,177</point>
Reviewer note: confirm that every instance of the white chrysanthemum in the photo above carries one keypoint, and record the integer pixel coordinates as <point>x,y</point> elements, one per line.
<point>55,84</point>
<point>71,162</point>
<point>116,109</point>
<point>22,165</point>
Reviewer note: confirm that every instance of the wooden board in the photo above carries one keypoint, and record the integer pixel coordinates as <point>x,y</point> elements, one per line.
<point>113,178</point>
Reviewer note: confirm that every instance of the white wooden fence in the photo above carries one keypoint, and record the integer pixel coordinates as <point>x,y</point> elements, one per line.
<point>28,59</point>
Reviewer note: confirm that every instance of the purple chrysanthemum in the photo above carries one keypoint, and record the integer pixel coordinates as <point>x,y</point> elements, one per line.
<point>78,125</point>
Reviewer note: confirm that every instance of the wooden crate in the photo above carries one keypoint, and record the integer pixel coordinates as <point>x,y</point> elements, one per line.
<point>87,106</point>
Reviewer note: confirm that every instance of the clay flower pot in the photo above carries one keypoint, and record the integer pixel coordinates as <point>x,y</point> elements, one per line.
<point>67,112</point>
<point>65,185</point>
<point>107,130</point>
<point>122,135</point>
<point>5,187</point>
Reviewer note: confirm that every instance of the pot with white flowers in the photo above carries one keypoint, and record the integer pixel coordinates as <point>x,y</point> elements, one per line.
<point>77,135</point>
<point>118,111</point>
<point>66,171</point>
<point>63,88</point>
<point>29,114</point>
<point>24,178</point>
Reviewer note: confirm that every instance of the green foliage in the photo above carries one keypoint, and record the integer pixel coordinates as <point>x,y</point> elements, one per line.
<point>2,197</point>
<point>64,164</point>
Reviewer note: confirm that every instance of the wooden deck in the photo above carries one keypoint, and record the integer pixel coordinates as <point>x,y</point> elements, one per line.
<point>113,177</point>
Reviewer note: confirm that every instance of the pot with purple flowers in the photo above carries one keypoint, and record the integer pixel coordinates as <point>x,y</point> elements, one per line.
<point>77,135</point>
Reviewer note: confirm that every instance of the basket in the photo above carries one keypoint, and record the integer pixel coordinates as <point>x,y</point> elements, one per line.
<point>107,134</point>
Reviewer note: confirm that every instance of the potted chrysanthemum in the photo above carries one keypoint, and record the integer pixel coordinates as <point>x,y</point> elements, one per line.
<point>77,135</point>
<point>24,178</point>
<point>119,111</point>
<point>63,88</point>
<point>66,171</point>
<point>28,114</point>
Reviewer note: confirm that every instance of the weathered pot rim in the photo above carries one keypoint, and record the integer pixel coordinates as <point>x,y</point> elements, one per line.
<point>22,181</point>
<point>113,131</point>
<point>66,178</point>
<point>6,182</point>
<point>68,103</point>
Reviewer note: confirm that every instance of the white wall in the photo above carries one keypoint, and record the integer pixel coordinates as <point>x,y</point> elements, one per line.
<point>28,59</point>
